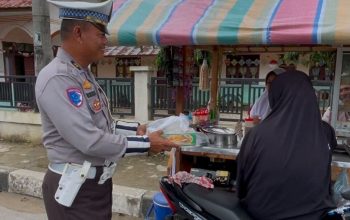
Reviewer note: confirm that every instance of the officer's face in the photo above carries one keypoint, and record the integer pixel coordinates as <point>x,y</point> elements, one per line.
<point>94,42</point>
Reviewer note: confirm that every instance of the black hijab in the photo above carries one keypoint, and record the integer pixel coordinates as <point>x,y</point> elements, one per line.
<point>284,162</point>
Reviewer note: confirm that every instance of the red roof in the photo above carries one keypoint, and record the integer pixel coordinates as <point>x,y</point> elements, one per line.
<point>15,3</point>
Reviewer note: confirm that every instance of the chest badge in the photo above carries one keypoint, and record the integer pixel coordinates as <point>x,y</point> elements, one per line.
<point>75,96</point>
<point>96,105</point>
<point>86,84</point>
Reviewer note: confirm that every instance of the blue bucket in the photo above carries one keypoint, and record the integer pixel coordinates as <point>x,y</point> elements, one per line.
<point>160,206</point>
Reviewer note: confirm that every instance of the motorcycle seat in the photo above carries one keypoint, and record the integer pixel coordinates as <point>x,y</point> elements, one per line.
<point>219,203</point>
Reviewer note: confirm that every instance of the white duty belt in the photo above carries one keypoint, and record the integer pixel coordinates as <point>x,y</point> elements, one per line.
<point>68,168</point>
<point>61,168</point>
<point>74,175</point>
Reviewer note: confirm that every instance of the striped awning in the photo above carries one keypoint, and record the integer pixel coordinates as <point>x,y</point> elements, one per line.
<point>12,4</point>
<point>131,51</point>
<point>230,22</point>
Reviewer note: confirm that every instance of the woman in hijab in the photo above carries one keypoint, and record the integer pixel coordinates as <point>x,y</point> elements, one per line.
<point>284,162</point>
<point>261,107</point>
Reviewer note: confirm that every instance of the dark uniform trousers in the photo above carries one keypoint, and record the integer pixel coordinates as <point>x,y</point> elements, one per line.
<point>93,201</point>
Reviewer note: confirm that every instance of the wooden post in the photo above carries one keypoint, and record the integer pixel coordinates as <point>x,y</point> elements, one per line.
<point>180,100</point>
<point>180,93</point>
<point>214,78</point>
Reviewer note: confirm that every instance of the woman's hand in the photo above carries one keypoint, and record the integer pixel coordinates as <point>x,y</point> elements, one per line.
<point>256,120</point>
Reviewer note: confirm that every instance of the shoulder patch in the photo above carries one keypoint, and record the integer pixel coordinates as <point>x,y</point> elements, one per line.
<point>75,96</point>
<point>86,84</point>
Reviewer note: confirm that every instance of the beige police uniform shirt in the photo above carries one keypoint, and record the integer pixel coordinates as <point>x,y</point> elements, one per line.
<point>74,112</point>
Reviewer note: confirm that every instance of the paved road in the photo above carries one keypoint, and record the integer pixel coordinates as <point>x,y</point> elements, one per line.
<point>15,215</point>
<point>19,207</point>
<point>141,172</point>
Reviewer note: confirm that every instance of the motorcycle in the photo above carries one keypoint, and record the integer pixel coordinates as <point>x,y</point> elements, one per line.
<point>193,201</point>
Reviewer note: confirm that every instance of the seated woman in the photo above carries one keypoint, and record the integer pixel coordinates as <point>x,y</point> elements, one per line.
<point>261,106</point>
<point>284,166</point>
<point>344,100</point>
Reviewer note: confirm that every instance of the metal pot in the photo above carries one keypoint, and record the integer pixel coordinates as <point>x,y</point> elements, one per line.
<point>221,137</point>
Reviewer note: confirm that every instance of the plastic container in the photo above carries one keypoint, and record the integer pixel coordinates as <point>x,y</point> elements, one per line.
<point>160,206</point>
<point>195,118</point>
<point>248,124</point>
<point>200,116</point>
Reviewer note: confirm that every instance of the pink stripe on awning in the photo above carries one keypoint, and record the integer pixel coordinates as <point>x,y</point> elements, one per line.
<point>178,29</point>
<point>117,4</point>
<point>294,22</point>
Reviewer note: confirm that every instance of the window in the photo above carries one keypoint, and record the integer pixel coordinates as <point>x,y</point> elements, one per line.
<point>122,66</point>
<point>242,66</point>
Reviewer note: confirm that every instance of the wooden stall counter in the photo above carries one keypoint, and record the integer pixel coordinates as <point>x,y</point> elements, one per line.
<point>187,155</point>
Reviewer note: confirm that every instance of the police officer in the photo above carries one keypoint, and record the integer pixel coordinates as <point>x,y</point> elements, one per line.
<point>78,134</point>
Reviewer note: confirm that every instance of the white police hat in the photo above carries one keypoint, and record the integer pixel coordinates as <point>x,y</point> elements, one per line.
<point>98,14</point>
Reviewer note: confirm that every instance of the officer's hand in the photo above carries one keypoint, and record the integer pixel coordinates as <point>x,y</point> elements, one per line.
<point>156,139</point>
<point>141,130</point>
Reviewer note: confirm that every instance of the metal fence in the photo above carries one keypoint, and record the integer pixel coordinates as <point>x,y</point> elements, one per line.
<point>324,91</point>
<point>19,92</point>
<point>235,97</point>
<point>120,92</point>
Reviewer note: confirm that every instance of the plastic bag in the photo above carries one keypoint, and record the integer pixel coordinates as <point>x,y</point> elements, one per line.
<point>340,184</point>
<point>172,124</point>
<point>201,139</point>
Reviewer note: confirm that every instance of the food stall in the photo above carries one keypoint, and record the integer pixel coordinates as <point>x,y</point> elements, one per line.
<point>214,25</point>
<point>340,109</point>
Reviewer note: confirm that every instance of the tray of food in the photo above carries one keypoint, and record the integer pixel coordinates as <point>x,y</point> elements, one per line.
<point>185,139</point>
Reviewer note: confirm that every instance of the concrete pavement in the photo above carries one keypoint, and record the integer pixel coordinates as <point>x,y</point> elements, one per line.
<point>14,215</point>
<point>22,168</point>
<point>18,207</point>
